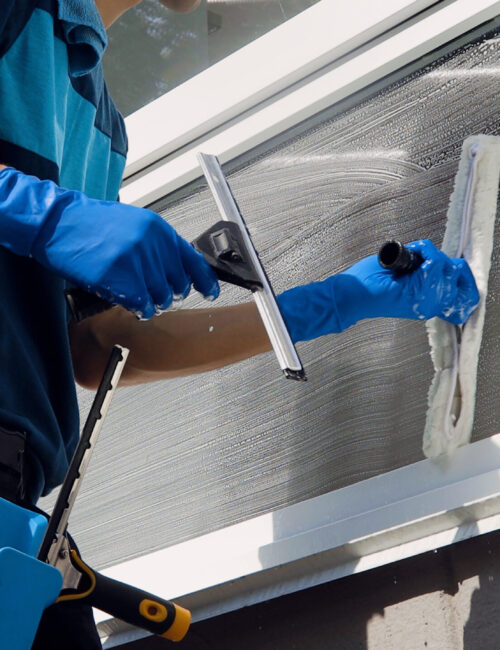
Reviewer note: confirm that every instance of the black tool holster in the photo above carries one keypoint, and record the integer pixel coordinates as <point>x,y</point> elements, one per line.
<point>13,479</point>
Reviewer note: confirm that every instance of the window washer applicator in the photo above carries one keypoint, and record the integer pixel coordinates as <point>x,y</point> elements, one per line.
<point>455,349</point>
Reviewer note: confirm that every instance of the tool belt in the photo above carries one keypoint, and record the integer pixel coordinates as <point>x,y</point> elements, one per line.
<point>14,473</point>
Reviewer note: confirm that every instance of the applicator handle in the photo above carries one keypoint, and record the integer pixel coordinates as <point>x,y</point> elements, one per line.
<point>397,257</point>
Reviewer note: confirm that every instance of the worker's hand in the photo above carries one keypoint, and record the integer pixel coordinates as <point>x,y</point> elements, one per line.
<point>441,286</point>
<point>127,255</point>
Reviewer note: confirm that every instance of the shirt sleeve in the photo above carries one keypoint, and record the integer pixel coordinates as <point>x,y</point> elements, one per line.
<point>13,18</point>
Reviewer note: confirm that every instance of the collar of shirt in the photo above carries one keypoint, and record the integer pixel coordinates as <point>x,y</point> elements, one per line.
<point>84,33</point>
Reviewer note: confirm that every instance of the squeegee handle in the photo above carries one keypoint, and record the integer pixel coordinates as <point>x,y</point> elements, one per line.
<point>82,304</point>
<point>395,256</point>
<point>134,606</point>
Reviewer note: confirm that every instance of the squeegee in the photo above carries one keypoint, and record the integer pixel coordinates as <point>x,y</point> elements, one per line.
<point>228,248</point>
<point>230,257</point>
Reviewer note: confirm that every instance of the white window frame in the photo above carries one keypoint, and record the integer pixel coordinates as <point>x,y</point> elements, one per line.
<point>392,516</point>
<point>383,519</point>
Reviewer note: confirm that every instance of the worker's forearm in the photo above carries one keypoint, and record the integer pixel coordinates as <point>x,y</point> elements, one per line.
<point>181,6</point>
<point>174,344</point>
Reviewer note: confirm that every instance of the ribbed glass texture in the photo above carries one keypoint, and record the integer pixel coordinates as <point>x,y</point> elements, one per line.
<point>181,458</point>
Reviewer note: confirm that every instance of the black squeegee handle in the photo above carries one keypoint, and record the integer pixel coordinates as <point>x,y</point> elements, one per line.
<point>82,304</point>
<point>395,256</point>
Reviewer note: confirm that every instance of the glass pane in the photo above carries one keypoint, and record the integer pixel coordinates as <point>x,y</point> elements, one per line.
<point>181,458</point>
<point>152,49</point>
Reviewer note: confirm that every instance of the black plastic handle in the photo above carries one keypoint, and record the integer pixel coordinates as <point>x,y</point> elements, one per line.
<point>82,304</point>
<point>397,257</point>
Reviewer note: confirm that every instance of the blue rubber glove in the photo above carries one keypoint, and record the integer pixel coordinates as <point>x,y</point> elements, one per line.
<point>441,286</point>
<point>127,255</point>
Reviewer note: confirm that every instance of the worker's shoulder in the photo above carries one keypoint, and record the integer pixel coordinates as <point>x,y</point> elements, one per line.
<point>15,16</point>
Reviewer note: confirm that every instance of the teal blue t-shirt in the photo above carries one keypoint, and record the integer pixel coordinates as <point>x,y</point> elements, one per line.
<point>57,122</point>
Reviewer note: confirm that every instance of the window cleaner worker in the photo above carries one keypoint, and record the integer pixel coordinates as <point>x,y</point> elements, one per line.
<point>63,148</point>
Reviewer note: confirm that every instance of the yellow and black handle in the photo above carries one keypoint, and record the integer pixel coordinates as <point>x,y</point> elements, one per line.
<point>127,603</point>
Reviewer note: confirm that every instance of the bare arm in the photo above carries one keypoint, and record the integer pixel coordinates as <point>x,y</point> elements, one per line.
<point>111,10</point>
<point>181,6</point>
<point>174,344</point>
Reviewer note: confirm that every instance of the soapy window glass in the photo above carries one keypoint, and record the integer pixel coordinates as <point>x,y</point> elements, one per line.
<point>188,456</point>
<point>152,50</point>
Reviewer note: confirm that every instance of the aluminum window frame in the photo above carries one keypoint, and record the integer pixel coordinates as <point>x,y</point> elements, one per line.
<point>392,516</point>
